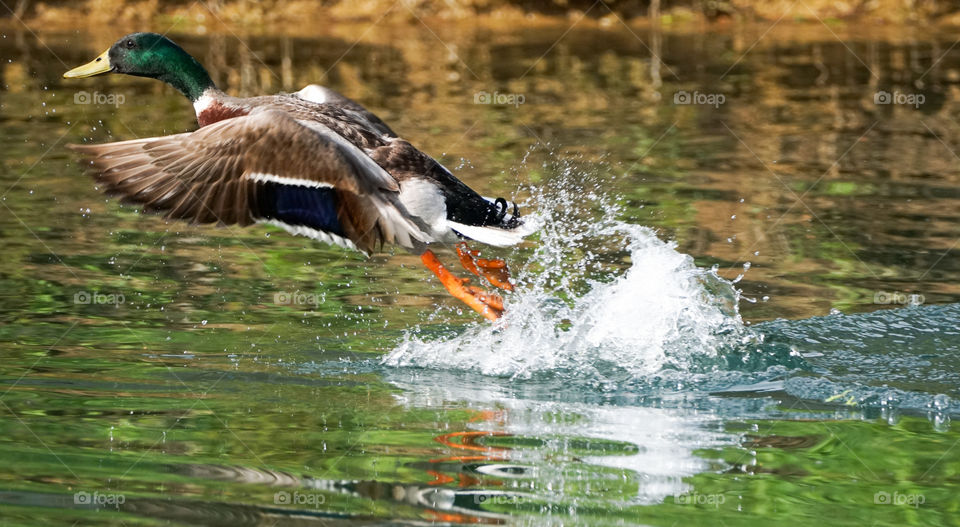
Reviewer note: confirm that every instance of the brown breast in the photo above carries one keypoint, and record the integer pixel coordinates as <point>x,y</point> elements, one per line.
<point>218,112</point>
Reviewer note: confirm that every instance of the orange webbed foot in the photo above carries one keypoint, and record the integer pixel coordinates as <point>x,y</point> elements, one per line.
<point>494,270</point>
<point>487,304</point>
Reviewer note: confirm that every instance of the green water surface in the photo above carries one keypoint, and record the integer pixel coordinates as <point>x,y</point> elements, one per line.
<point>157,373</point>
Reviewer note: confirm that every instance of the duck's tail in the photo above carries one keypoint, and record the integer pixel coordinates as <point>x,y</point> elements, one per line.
<point>504,230</point>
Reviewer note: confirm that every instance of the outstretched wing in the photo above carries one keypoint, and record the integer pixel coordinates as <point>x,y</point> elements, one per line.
<point>264,167</point>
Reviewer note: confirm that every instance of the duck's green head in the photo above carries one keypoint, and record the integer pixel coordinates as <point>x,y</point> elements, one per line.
<point>150,55</point>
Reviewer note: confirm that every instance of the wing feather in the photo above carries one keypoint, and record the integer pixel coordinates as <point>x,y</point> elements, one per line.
<point>208,175</point>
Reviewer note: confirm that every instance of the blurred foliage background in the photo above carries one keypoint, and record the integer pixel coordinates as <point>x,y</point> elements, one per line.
<point>249,13</point>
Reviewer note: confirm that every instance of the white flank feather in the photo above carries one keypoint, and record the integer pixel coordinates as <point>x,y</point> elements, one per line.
<point>422,199</point>
<point>315,93</point>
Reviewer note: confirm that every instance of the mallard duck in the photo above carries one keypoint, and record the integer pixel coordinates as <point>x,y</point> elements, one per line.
<point>314,163</point>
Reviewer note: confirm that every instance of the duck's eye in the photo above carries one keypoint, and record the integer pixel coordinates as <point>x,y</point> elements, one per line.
<point>130,44</point>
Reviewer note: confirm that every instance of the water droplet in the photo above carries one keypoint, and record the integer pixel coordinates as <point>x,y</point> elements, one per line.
<point>941,402</point>
<point>941,422</point>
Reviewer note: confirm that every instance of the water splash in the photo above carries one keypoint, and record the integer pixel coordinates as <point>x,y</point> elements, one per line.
<point>598,298</point>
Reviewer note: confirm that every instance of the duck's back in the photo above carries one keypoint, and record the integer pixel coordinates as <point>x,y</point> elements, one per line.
<point>398,157</point>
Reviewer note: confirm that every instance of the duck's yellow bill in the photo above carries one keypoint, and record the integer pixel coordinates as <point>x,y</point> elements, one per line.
<point>96,66</point>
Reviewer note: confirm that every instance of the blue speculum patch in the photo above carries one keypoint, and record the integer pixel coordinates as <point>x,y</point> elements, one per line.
<point>297,205</point>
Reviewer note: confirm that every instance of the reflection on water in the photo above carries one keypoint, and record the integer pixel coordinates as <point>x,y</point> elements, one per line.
<point>151,362</point>
<point>633,455</point>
